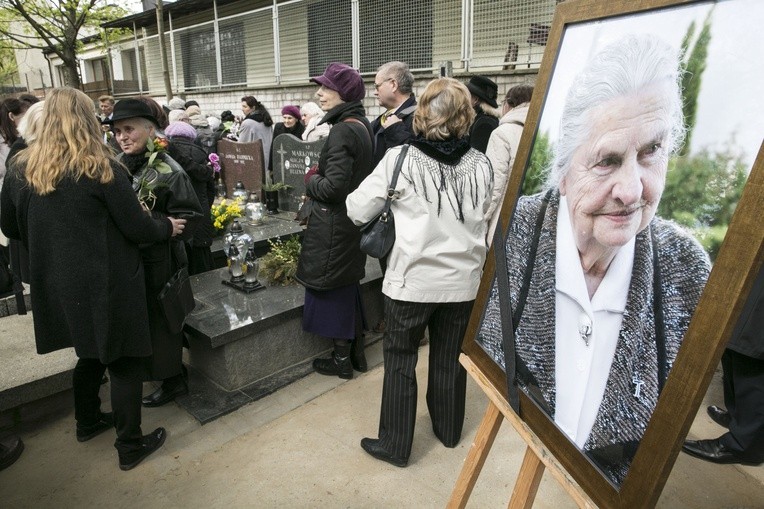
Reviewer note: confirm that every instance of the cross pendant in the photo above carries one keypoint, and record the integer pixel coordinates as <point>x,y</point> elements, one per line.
<point>637,385</point>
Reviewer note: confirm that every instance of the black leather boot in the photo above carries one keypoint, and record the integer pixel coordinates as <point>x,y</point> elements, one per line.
<point>334,366</point>
<point>357,355</point>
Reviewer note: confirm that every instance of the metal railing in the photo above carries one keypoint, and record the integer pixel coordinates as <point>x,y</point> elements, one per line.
<point>288,42</point>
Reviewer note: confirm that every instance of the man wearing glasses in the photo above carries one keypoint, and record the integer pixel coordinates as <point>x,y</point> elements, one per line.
<point>393,84</point>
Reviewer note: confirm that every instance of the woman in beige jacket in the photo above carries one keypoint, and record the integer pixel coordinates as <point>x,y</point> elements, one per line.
<point>502,148</point>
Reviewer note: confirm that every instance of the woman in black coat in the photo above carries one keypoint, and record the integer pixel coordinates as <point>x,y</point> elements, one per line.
<point>331,263</point>
<point>291,125</point>
<point>73,207</point>
<point>193,159</point>
<point>165,191</point>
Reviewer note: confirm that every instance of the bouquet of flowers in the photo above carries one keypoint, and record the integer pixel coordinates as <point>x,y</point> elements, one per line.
<point>231,130</point>
<point>149,178</point>
<point>224,213</point>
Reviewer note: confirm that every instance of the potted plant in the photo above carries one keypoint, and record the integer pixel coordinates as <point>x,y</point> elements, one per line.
<point>279,265</point>
<point>271,190</point>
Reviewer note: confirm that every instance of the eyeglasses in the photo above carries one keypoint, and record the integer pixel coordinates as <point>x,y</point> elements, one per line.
<point>377,85</point>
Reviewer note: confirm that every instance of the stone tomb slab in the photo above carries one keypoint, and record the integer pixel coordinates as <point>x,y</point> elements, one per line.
<point>245,346</point>
<point>292,158</point>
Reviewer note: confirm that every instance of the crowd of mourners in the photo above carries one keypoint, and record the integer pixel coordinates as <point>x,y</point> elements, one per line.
<point>127,192</point>
<point>126,187</point>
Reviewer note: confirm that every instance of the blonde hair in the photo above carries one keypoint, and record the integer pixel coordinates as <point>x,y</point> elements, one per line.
<point>444,110</point>
<point>72,145</point>
<point>31,126</point>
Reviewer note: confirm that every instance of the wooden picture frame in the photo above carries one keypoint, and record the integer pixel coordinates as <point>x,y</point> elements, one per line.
<point>736,266</point>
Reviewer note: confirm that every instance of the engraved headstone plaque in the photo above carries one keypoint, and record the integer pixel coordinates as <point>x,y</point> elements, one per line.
<point>244,162</point>
<point>292,158</point>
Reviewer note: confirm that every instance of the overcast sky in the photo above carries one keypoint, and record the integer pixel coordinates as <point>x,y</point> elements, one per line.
<point>730,103</point>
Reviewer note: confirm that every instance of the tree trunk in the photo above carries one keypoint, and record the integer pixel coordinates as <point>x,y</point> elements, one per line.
<point>70,71</point>
<point>163,51</point>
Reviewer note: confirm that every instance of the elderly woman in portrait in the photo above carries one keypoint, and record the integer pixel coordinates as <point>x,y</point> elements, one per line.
<point>606,300</point>
<point>434,267</point>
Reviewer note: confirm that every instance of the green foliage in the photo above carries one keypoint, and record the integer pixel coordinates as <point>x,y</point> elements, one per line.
<point>693,66</point>
<point>279,266</point>
<point>701,193</point>
<point>541,159</point>
<point>276,186</point>
<point>41,24</point>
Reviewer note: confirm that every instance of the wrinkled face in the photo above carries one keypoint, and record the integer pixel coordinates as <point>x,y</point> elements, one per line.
<point>328,98</point>
<point>289,121</point>
<point>616,177</point>
<point>305,118</point>
<point>384,90</point>
<point>106,108</point>
<point>133,134</point>
<point>245,108</point>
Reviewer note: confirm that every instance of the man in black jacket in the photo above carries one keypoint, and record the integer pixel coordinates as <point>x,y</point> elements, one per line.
<point>393,90</point>
<point>743,367</point>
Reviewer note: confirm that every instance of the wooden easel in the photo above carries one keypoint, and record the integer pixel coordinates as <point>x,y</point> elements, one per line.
<point>537,457</point>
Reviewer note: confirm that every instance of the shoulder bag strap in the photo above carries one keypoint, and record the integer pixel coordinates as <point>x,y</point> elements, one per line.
<point>356,121</point>
<point>393,182</point>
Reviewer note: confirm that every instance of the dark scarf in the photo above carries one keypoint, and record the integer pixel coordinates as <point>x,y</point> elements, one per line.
<point>134,162</point>
<point>452,169</point>
<point>449,151</point>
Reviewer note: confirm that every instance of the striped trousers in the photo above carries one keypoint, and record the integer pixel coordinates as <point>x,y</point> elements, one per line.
<point>447,379</point>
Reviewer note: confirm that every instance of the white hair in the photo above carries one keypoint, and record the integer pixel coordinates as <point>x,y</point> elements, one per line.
<point>620,69</point>
<point>311,109</point>
<point>31,123</point>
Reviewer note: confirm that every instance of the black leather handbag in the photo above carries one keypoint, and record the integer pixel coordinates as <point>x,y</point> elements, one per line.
<point>378,235</point>
<point>177,299</point>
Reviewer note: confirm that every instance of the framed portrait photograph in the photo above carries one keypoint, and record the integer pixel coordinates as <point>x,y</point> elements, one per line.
<point>632,228</point>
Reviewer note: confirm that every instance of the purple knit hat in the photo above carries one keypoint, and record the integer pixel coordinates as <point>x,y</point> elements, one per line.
<point>291,110</point>
<point>343,79</point>
<point>181,129</point>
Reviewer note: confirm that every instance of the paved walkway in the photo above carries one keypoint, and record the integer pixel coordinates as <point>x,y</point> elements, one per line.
<point>299,447</point>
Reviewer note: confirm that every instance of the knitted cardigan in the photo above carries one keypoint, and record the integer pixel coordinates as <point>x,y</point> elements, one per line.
<point>622,417</point>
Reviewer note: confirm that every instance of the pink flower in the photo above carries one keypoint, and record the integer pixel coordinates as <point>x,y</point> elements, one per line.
<point>215,162</point>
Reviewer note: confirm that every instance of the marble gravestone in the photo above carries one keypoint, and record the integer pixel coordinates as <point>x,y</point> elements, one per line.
<point>244,162</point>
<point>292,158</point>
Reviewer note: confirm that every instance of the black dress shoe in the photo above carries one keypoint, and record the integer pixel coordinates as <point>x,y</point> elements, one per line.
<point>713,451</point>
<point>165,394</point>
<point>87,431</point>
<point>10,450</point>
<point>334,366</point>
<point>132,454</point>
<point>371,445</point>
<point>719,415</point>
